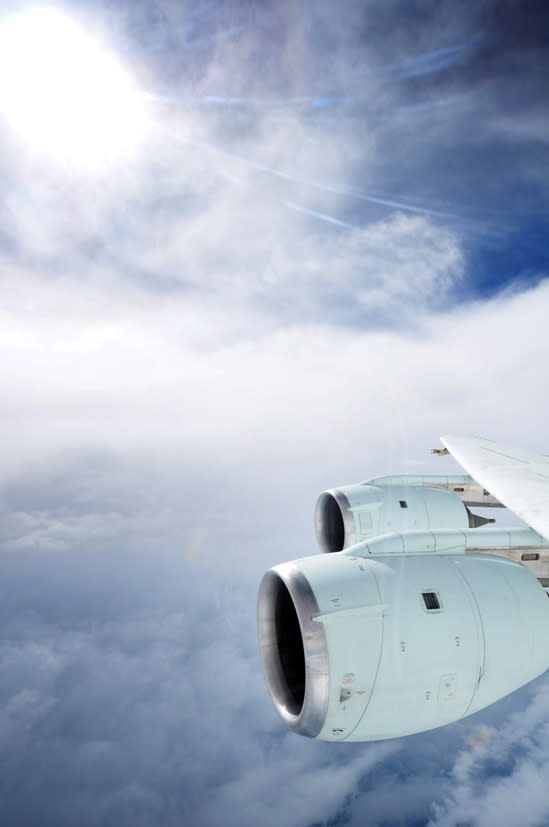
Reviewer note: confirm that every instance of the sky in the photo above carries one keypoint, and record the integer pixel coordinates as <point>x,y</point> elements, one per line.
<point>309,240</point>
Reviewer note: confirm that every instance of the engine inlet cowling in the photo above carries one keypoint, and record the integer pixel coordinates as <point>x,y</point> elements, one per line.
<point>293,649</point>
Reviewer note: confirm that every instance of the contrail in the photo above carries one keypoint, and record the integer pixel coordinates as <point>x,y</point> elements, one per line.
<point>429,62</point>
<point>336,190</point>
<point>425,70</point>
<point>437,56</point>
<point>315,101</point>
<point>292,205</point>
<point>433,61</point>
<point>391,202</point>
<point>323,216</point>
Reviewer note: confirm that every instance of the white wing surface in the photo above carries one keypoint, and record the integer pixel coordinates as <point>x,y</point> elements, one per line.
<point>519,479</point>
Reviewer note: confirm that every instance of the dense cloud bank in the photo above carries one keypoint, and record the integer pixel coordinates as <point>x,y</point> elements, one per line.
<point>135,380</point>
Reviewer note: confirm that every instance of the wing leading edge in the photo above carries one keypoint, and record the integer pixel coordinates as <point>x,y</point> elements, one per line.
<point>519,479</point>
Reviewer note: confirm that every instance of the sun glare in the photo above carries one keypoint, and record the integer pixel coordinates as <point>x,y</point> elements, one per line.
<point>64,94</point>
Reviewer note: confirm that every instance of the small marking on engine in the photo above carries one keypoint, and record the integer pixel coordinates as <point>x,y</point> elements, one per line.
<point>448,688</point>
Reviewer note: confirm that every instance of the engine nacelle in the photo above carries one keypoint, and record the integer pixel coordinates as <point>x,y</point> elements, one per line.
<point>359,649</point>
<point>464,486</point>
<point>353,513</point>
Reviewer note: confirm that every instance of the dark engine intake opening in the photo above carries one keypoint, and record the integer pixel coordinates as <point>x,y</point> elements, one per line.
<point>289,648</point>
<point>330,528</point>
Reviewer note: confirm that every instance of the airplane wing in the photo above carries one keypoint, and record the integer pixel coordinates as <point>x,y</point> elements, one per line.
<point>519,479</point>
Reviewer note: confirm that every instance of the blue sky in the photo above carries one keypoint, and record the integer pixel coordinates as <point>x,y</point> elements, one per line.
<point>327,250</point>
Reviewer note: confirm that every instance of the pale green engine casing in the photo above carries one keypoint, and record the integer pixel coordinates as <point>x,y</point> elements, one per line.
<point>350,514</point>
<point>377,662</point>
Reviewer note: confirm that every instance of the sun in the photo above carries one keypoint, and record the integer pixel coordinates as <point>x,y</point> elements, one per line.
<point>65,94</point>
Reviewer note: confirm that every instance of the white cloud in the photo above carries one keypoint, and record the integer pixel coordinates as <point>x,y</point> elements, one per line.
<point>502,778</point>
<point>125,373</point>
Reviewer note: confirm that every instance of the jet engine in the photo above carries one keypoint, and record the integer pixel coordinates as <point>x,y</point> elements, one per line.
<point>362,647</point>
<point>352,513</point>
<point>414,618</point>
